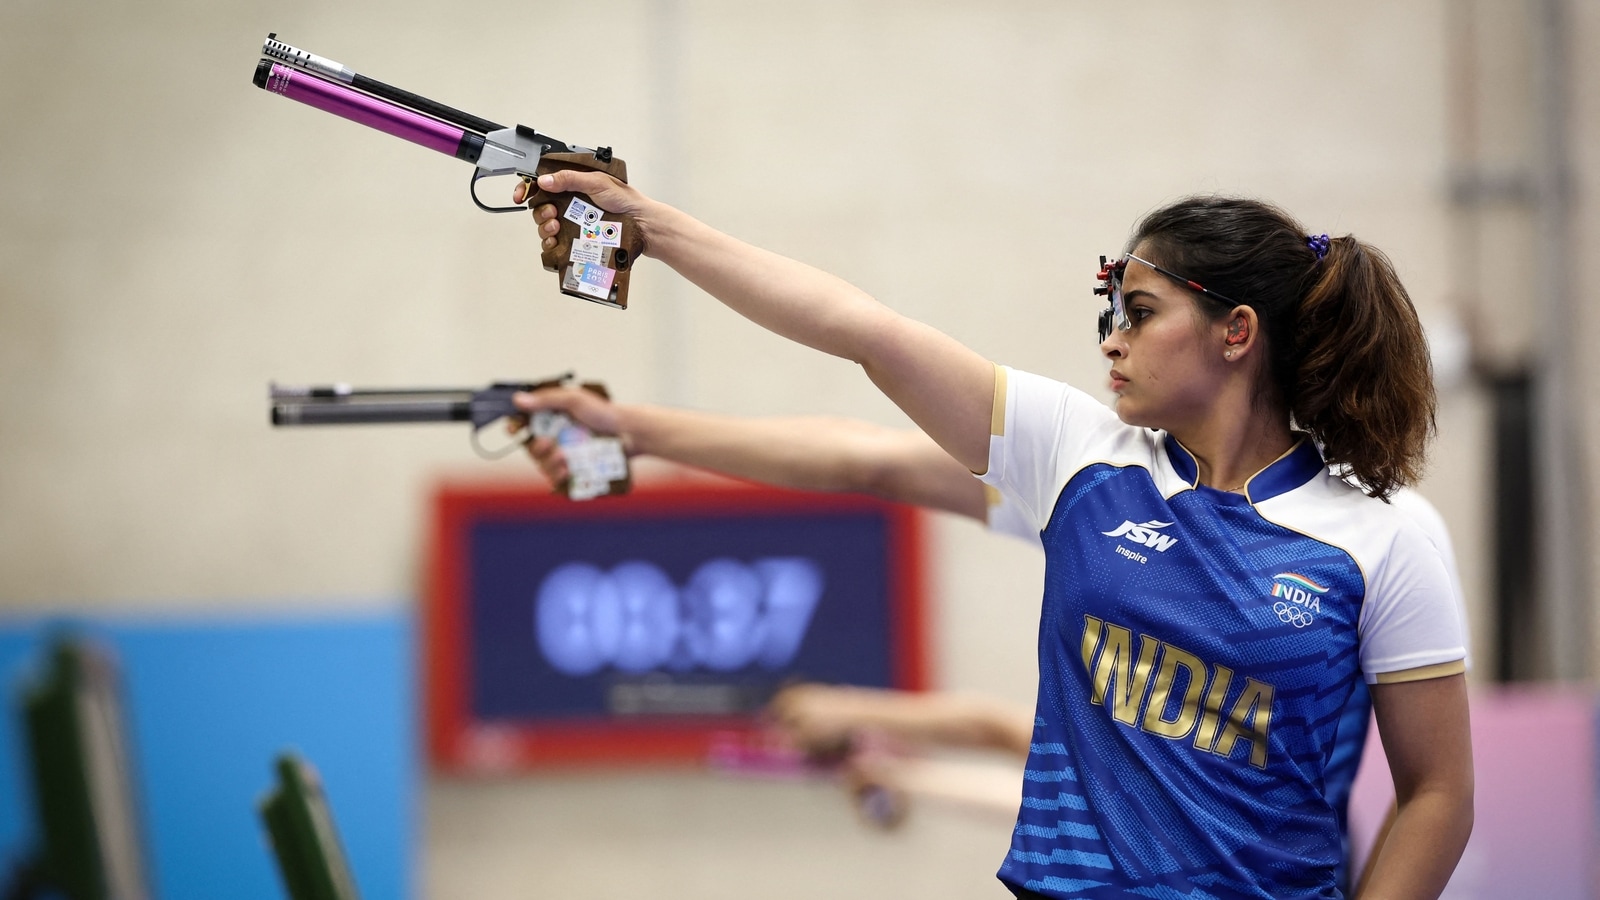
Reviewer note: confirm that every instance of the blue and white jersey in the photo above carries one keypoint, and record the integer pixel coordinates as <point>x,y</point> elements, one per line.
<point>1196,650</point>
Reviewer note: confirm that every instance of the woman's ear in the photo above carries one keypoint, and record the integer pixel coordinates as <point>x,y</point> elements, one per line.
<point>1239,331</point>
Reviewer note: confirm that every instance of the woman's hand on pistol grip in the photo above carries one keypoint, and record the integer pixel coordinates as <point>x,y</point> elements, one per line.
<point>604,191</point>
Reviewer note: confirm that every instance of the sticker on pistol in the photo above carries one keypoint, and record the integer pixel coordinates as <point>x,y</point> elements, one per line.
<point>608,234</point>
<point>587,488</point>
<point>588,251</point>
<point>590,280</point>
<point>548,423</point>
<point>593,461</point>
<point>582,213</point>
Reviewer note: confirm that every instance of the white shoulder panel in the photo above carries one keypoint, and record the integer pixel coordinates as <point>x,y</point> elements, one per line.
<point>1409,616</point>
<point>1048,432</point>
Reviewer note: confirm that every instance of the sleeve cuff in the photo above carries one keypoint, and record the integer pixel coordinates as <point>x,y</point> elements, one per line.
<point>1421,673</point>
<point>997,426</point>
<point>997,413</point>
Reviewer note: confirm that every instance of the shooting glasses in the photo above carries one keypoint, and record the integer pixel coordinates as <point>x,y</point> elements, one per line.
<point>1116,312</point>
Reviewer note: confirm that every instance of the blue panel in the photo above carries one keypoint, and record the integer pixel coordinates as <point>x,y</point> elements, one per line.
<point>16,832</point>
<point>210,703</point>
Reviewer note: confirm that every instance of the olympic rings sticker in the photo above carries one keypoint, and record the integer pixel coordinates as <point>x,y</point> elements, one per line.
<point>1293,615</point>
<point>606,234</point>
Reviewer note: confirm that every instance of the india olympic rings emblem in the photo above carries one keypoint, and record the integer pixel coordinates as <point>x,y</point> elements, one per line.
<point>1294,615</point>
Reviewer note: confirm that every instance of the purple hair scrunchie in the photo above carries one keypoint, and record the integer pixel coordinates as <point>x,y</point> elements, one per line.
<point>1319,244</point>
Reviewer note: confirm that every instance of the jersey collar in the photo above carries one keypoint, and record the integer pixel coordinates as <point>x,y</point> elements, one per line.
<point>1298,465</point>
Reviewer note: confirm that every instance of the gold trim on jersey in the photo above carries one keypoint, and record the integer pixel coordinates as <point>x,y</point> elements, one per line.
<point>1244,488</point>
<point>997,413</point>
<point>1423,673</point>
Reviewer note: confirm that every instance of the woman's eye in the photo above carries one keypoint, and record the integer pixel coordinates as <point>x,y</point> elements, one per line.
<point>1141,313</point>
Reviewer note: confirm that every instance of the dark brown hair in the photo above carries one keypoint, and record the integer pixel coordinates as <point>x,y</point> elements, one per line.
<point>1346,353</point>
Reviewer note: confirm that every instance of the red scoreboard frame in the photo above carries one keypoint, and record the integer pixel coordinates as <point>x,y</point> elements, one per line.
<point>459,741</point>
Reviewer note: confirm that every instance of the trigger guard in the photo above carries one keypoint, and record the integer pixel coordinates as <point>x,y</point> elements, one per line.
<point>472,188</point>
<point>518,441</point>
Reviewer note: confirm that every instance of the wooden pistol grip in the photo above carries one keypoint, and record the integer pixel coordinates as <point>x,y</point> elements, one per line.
<point>617,486</point>
<point>624,484</point>
<point>616,263</point>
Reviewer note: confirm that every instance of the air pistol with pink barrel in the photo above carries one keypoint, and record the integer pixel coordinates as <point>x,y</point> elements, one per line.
<point>595,250</point>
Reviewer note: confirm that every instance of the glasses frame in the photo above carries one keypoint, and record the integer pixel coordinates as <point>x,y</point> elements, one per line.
<point>1115,315</point>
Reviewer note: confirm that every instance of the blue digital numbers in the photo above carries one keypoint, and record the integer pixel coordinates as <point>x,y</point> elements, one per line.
<point>649,617</point>
<point>728,616</point>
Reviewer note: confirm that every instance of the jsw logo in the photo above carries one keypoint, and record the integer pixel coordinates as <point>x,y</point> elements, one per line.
<point>1144,533</point>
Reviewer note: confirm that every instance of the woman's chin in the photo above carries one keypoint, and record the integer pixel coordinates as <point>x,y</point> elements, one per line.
<point>1128,412</point>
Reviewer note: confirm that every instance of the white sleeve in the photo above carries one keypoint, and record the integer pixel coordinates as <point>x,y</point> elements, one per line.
<point>1040,432</point>
<point>1410,625</point>
<point>1006,517</point>
<point>1427,517</point>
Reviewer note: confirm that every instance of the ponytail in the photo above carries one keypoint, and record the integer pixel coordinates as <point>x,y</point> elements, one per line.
<point>1363,383</point>
<point>1346,352</point>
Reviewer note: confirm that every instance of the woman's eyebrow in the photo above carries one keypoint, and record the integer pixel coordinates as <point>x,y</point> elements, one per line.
<point>1130,295</point>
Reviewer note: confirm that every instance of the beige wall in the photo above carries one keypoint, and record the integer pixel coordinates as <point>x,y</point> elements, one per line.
<point>1583,127</point>
<point>172,239</point>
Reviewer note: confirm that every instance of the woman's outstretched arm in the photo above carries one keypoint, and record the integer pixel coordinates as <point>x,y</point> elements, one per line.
<point>810,453</point>
<point>945,388</point>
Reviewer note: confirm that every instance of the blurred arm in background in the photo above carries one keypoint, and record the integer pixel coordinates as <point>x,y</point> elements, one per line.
<point>876,734</point>
<point>819,717</point>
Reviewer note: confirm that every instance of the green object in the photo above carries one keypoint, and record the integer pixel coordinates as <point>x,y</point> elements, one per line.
<point>86,803</point>
<point>300,826</point>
